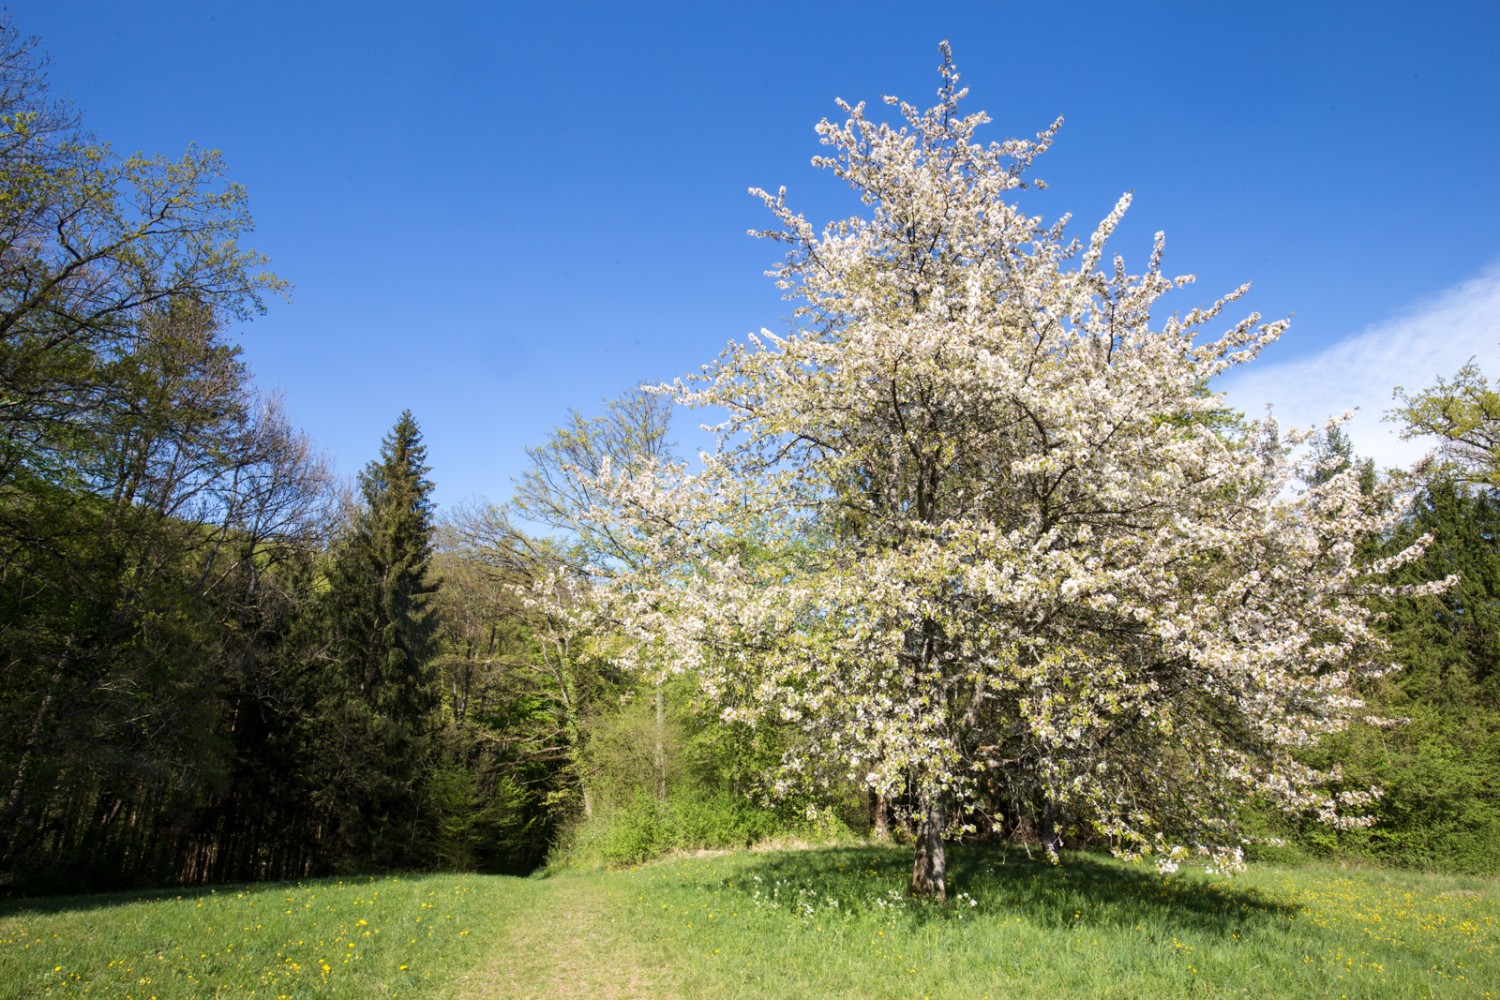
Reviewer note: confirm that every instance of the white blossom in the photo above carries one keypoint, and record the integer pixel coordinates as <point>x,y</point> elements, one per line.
<point>977,527</point>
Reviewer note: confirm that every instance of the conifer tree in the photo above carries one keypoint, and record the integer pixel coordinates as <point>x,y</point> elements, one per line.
<point>1442,807</point>
<point>382,643</point>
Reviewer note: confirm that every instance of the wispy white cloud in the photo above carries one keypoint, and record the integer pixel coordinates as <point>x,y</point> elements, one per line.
<point>1435,338</point>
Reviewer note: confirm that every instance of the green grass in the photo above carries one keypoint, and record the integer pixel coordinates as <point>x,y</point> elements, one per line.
<point>834,923</point>
<point>831,922</point>
<point>387,937</point>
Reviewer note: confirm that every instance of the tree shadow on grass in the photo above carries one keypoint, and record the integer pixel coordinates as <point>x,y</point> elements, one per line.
<point>1083,891</point>
<point>12,906</point>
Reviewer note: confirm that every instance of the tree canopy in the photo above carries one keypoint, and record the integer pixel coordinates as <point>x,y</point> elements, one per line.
<point>975,526</point>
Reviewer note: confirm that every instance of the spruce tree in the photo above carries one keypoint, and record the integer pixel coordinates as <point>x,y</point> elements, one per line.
<point>382,637</point>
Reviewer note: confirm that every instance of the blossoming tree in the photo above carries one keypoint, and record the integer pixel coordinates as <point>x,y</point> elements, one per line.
<point>977,526</point>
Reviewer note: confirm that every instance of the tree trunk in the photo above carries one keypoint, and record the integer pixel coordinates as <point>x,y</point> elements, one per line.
<point>929,873</point>
<point>12,802</point>
<point>880,818</point>
<point>1051,840</point>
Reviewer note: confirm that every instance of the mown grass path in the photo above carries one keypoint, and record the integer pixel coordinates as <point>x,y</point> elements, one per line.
<point>573,941</point>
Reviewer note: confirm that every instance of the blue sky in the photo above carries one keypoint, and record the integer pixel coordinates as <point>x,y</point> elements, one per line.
<point>494,212</point>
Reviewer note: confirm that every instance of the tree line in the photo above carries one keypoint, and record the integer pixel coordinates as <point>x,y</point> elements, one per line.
<point>922,597</point>
<point>215,664</point>
<point>216,661</point>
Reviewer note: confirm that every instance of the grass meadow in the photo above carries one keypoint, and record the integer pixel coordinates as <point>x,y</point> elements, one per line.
<point>825,922</point>
<point>379,937</point>
<point>834,923</point>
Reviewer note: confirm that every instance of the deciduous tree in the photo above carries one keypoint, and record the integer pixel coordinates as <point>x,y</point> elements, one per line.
<point>550,580</point>
<point>90,243</point>
<point>976,527</point>
<point>1463,413</point>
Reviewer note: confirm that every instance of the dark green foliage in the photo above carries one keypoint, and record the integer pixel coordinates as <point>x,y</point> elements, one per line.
<point>376,712</point>
<point>503,778</point>
<point>148,572</point>
<point>1440,771</point>
<point>1450,642</point>
<point>153,511</point>
<point>1442,805</point>
<point>498,785</point>
<point>487,811</point>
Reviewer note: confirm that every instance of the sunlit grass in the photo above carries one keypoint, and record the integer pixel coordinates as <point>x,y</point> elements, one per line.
<point>387,937</point>
<point>835,923</point>
<point>828,922</point>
